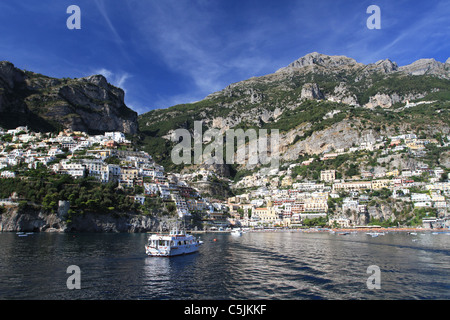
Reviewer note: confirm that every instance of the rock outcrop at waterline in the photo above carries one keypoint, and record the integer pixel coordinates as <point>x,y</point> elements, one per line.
<point>29,219</point>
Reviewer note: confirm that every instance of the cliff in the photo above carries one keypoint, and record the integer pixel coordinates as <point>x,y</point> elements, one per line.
<point>31,219</point>
<point>43,103</point>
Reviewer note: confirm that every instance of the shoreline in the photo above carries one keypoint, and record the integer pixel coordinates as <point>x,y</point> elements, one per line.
<point>343,230</point>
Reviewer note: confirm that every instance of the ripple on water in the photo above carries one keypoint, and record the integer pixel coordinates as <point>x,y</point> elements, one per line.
<point>286,266</point>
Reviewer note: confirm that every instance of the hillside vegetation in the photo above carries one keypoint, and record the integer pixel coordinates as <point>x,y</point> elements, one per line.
<point>316,93</point>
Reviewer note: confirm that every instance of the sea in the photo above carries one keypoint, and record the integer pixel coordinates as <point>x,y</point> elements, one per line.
<point>253,266</point>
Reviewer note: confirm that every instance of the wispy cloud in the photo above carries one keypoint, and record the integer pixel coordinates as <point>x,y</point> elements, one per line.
<point>114,35</point>
<point>103,11</point>
<point>405,35</point>
<point>189,38</point>
<point>118,79</point>
<point>180,36</point>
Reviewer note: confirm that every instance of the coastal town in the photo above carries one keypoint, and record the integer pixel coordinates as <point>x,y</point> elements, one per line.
<point>279,198</point>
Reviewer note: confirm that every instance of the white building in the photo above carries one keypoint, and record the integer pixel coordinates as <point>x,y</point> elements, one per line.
<point>421,200</point>
<point>140,199</point>
<point>76,170</point>
<point>7,174</point>
<point>118,137</point>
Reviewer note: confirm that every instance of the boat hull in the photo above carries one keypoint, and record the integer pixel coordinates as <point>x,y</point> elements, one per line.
<point>174,251</point>
<point>174,244</point>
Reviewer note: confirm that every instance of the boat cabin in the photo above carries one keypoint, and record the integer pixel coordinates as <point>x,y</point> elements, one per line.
<point>155,243</point>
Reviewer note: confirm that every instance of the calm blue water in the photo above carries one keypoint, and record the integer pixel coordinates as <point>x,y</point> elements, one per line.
<point>287,266</point>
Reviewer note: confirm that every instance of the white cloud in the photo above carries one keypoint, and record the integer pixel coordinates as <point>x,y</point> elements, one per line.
<point>189,38</point>
<point>104,72</point>
<point>116,79</point>
<point>119,79</point>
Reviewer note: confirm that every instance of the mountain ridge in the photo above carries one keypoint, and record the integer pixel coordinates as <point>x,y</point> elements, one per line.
<point>328,61</point>
<point>311,95</point>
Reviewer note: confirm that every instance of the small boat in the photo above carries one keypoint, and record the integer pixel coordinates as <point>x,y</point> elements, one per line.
<point>375,234</point>
<point>236,232</point>
<point>173,244</point>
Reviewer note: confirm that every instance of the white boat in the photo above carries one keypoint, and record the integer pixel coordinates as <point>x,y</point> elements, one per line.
<point>173,244</point>
<point>236,232</point>
<point>375,234</point>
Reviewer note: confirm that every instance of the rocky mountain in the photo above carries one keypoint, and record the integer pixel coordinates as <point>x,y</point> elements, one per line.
<point>319,103</point>
<point>317,59</point>
<point>43,103</point>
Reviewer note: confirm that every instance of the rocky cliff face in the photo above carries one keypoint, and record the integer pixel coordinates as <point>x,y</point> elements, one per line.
<point>87,104</point>
<point>33,220</point>
<point>311,91</point>
<point>381,211</point>
<point>427,66</point>
<point>10,80</point>
<point>15,220</point>
<point>317,59</point>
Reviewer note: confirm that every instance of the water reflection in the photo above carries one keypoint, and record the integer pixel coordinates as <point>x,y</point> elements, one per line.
<point>253,266</point>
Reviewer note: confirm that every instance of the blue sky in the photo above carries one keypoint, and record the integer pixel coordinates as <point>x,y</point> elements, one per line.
<point>166,52</point>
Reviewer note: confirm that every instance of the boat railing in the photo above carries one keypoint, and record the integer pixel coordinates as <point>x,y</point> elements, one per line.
<point>177,232</point>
